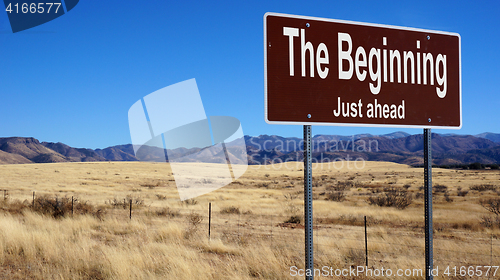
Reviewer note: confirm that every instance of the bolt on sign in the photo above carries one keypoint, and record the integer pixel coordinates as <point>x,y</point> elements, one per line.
<point>332,72</point>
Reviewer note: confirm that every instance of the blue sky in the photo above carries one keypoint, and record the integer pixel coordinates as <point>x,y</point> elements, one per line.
<point>73,79</point>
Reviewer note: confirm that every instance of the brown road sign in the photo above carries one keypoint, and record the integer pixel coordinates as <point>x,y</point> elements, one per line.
<point>331,72</point>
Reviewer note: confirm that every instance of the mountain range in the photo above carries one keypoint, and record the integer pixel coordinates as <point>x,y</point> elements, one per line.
<point>400,147</point>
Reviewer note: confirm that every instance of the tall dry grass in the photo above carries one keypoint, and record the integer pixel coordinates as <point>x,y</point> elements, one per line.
<point>165,239</point>
<point>39,247</point>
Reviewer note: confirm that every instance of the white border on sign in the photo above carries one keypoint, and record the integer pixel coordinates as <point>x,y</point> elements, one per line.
<point>364,24</point>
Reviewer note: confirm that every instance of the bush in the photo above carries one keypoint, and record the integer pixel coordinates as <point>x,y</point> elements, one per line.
<point>190,201</point>
<point>51,206</point>
<point>82,207</point>
<point>483,187</point>
<point>230,210</point>
<point>125,203</point>
<point>194,220</point>
<point>60,207</point>
<point>492,205</point>
<point>161,196</point>
<point>354,257</point>
<point>295,219</point>
<point>490,222</point>
<point>14,206</point>
<point>440,188</point>
<point>447,197</point>
<point>350,220</point>
<point>392,197</point>
<point>338,196</point>
<point>167,212</point>
<point>264,185</point>
<point>290,206</point>
<point>475,166</point>
<point>344,185</point>
<point>462,193</point>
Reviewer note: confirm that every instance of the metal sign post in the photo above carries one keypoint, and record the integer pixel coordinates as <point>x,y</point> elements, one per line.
<point>428,203</point>
<point>306,69</point>
<point>308,207</point>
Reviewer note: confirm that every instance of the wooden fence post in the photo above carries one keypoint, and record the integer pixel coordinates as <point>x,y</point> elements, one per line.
<point>209,218</point>
<point>366,245</point>
<point>131,209</point>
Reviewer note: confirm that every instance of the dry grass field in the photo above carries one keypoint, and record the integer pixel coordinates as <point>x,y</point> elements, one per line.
<point>256,230</point>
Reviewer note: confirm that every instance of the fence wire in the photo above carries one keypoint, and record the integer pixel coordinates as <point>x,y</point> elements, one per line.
<point>273,228</point>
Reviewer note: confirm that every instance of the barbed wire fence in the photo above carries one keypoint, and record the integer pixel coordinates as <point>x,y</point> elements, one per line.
<point>378,245</point>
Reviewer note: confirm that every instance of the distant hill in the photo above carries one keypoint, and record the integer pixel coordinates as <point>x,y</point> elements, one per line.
<point>31,149</point>
<point>495,137</point>
<point>400,147</point>
<point>395,135</point>
<point>73,154</point>
<point>440,144</point>
<point>8,158</point>
<point>117,153</point>
<point>490,153</point>
<point>446,150</point>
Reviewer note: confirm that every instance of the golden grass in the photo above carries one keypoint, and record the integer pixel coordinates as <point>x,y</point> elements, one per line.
<point>162,241</point>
